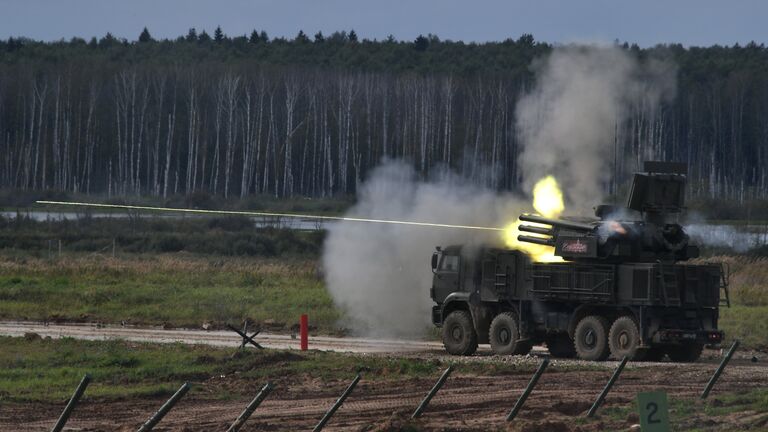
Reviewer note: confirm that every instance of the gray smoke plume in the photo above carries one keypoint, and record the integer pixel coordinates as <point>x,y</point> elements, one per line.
<point>723,236</point>
<point>739,239</point>
<point>379,274</point>
<point>568,122</point>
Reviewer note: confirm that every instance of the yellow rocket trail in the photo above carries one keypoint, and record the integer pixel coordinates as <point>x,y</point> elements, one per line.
<point>249,213</point>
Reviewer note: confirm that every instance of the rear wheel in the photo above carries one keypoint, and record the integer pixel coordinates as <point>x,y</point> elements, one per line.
<point>561,346</point>
<point>624,339</point>
<point>685,353</point>
<point>504,335</point>
<point>591,338</point>
<point>459,337</point>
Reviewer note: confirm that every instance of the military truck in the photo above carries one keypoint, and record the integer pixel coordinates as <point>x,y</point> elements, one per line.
<point>624,287</point>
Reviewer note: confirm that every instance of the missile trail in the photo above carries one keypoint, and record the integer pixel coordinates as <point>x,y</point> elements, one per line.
<point>269,214</point>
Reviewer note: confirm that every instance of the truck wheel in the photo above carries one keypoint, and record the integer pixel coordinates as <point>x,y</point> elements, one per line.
<point>561,346</point>
<point>685,353</point>
<point>591,338</point>
<point>504,335</point>
<point>459,335</point>
<point>624,339</point>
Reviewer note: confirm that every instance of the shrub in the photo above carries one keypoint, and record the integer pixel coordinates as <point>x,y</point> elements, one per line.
<point>231,223</point>
<point>200,200</point>
<point>168,243</point>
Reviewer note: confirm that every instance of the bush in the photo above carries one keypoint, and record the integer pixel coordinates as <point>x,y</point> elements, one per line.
<point>256,246</point>
<point>200,200</point>
<point>168,243</point>
<point>221,236</point>
<point>231,223</point>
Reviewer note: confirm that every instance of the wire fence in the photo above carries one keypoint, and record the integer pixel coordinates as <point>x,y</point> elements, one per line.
<point>420,410</point>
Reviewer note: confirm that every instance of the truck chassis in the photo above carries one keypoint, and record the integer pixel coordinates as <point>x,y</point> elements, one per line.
<point>643,310</point>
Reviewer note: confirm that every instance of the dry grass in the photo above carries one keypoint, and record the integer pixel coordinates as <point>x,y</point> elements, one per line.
<point>146,264</point>
<point>748,279</point>
<point>747,318</point>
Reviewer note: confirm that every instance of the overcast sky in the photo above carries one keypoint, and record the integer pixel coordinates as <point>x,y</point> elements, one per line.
<point>646,22</point>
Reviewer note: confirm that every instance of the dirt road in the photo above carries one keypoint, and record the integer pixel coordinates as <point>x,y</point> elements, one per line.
<point>222,338</point>
<point>226,338</point>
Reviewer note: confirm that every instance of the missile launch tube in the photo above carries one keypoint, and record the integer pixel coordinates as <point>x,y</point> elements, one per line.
<point>536,240</point>
<point>556,223</point>
<point>535,230</point>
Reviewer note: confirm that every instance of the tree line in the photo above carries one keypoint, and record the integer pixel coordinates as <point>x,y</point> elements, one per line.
<point>236,116</point>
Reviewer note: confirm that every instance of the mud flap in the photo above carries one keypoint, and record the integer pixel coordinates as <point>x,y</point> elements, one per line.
<point>481,318</point>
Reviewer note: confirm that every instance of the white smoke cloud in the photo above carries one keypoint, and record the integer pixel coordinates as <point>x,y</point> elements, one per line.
<point>568,123</point>
<point>724,236</point>
<point>379,274</point>
<point>740,239</point>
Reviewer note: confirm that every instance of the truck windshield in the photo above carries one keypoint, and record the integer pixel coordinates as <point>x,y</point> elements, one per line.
<point>449,263</point>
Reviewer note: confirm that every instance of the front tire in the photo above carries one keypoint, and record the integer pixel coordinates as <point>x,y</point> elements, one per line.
<point>591,338</point>
<point>624,339</point>
<point>504,336</point>
<point>459,337</point>
<point>685,353</point>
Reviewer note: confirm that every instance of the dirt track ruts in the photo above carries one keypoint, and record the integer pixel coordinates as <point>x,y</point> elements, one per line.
<point>467,402</point>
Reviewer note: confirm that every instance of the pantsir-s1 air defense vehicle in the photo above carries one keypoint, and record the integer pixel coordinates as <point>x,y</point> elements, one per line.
<point>623,288</point>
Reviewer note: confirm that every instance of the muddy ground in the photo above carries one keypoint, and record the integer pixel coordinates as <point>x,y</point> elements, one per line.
<point>471,403</point>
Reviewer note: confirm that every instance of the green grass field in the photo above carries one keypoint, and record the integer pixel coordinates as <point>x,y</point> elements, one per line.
<point>749,324</point>
<point>693,415</point>
<point>747,318</point>
<point>186,290</point>
<point>177,290</point>
<point>48,370</point>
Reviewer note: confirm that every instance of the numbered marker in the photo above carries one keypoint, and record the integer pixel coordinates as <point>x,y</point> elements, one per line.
<point>654,412</point>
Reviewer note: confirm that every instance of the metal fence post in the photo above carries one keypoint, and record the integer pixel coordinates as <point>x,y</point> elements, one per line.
<point>719,370</point>
<point>534,379</point>
<point>604,393</point>
<point>246,414</point>
<point>167,406</point>
<point>71,404</point>
<point>336,405</point>
<point>438,385</point>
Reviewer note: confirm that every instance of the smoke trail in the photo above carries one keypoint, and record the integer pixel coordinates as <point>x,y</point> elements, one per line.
<point>568,122</point>
<point>723,236</point>
<point>379,274</point>
<point>739,239</point>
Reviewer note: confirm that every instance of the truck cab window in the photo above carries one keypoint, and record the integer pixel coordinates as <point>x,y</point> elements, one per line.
<point>449,263</point>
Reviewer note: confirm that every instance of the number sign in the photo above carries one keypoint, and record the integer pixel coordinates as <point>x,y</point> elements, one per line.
<point>654,415</point>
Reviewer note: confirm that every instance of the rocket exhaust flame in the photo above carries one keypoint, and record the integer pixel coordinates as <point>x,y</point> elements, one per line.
<point>548,202</point>
<point>268,214</point>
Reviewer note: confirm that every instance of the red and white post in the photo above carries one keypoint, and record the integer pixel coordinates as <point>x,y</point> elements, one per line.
<point>304,331</point>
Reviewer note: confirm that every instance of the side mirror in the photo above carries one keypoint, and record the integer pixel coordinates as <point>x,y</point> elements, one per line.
<point>434,261</point>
